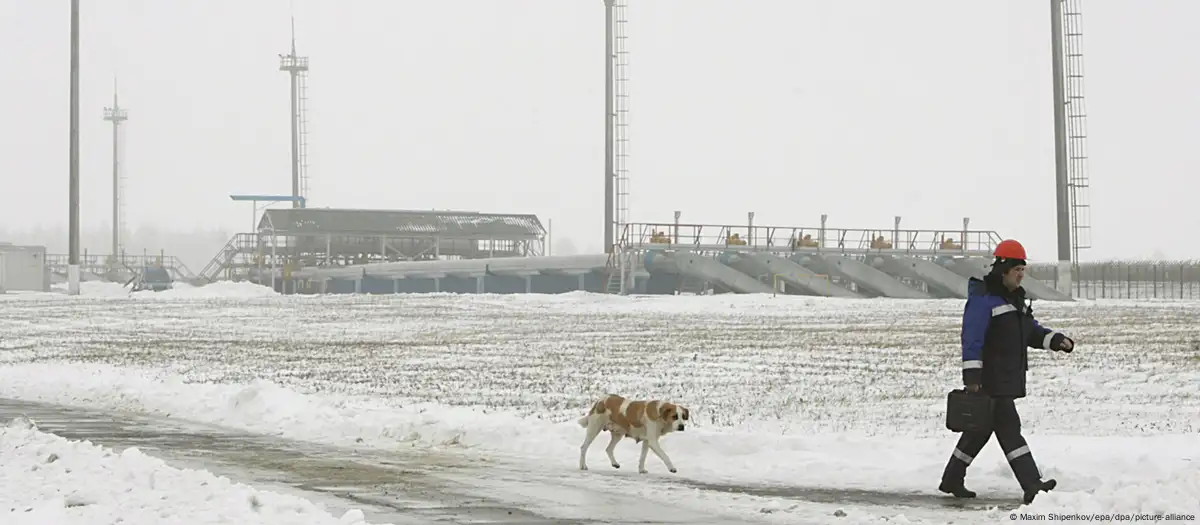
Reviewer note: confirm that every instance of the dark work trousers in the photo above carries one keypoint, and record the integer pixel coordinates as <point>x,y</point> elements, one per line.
<point>1006,424</point>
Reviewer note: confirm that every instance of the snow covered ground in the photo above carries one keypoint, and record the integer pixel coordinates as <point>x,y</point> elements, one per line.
<point>794,391</point>
<point>48,480</point>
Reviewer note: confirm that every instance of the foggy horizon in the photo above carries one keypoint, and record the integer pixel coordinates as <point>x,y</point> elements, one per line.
<point>787,109</point>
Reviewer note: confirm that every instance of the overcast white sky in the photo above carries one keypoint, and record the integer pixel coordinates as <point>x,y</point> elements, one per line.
<point>929,109</point>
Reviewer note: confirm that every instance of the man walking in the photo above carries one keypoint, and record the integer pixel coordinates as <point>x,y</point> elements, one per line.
<point>998,329</point>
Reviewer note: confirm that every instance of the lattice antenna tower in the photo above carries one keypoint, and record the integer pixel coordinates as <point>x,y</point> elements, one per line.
<point>297,68</point>
<point>1076,120</point>
<point>117,115</point>
<point>616,168</point>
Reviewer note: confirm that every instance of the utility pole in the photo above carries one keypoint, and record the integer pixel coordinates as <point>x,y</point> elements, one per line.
<point>73,163</point>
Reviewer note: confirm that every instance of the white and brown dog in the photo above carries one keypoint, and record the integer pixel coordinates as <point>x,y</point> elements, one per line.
<point>643,421</point>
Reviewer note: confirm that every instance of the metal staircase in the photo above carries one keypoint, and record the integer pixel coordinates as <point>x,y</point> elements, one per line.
<point>613,285</point>
<point>620,265</point>
<point>236,261</point>
<point>1076,123</point>
<point>213,269</point>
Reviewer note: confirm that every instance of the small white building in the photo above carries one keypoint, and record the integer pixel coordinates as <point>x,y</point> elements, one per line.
<point>23,268</point>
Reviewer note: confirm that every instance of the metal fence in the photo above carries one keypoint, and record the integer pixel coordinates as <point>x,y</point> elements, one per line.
<point>1166,280</point>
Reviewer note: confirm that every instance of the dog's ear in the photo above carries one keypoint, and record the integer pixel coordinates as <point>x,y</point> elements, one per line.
<point>666,411</point>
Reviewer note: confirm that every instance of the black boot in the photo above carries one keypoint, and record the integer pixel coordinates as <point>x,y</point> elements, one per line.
<point>957,489</point>
<point>952,479</point>
<point>1032,489</point>
<point>1030,477</point>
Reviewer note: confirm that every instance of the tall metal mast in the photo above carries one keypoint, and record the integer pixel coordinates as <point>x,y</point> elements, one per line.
<point>297,68</point>
<point>116,114</point>
<point>616,123</point>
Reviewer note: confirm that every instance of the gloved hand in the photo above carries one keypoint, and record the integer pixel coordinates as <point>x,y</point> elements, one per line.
<point>1066,345</point>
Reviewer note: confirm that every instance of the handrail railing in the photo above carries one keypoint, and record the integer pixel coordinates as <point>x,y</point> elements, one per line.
<point>778,238</point>
<point>101,263</point>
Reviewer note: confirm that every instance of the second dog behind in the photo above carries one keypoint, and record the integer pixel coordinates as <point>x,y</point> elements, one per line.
<point>643,421</point>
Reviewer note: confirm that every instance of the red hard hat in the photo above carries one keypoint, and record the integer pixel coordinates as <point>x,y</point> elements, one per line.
<point>1010,249</point>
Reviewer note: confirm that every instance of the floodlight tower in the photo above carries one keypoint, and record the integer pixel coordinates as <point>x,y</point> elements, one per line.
<point>117,115</point>
<point>616,125</point>
<point>1070,138</point>
<point>297,68</point>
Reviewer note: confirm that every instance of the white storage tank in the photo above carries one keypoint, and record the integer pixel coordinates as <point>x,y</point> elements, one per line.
<point>23,268</point>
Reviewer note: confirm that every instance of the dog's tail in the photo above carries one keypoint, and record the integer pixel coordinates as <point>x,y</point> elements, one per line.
<point>597,408</point>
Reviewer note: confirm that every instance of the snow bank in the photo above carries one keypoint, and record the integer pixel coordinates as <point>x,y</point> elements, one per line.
<point>98,289</point>
<point>1118,473</point>
<point>49,480</point>
<point>179,290</point>
<point>1173,497</point>
<point>217,290</point>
